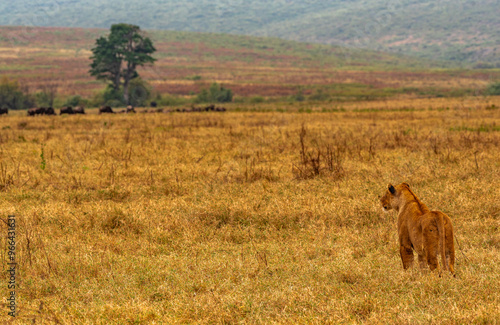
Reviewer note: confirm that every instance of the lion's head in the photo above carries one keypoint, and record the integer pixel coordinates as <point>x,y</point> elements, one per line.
<point>390,199</point>
<point>385,200</point>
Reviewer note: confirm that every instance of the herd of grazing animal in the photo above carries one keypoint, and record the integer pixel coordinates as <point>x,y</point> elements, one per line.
<point>51,111</point>
<point>130,109</point>
<point>71,110</point>
<point>107,109</point>
<point>41,111</point>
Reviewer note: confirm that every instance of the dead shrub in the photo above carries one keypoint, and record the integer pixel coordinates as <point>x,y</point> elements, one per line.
<point>119,222</point>
<point>325,159</point>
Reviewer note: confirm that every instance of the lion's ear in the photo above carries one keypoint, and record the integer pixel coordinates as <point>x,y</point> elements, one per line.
<point>407,185</point>
<point>391,189</point>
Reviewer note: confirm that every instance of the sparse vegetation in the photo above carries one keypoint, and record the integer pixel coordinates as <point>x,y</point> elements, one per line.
<point>76,100</point>
<point>12,96</point>
<point>273,69</point>
<point>494,89</point>
<point>215,94</point>
<point>202,218</point>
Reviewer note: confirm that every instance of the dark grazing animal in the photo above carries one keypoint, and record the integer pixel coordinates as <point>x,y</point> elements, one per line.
<point>41,111</point>
<point>50,111</point>
<point>36,111</point>
<point>4,111</point>
<point>106,109</point>
<point>66,110</point>
<point>79,110</point>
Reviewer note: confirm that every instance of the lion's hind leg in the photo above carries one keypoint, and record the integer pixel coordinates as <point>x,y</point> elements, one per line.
<point>449,245</point>
<point>431,244</point>
<point>406,256</point>
<point>450,259</point>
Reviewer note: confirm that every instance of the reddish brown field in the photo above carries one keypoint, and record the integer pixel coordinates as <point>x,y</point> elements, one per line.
<point>188,62</point>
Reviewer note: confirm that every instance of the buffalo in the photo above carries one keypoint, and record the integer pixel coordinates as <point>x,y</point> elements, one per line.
<point>130,109</point>
<point>209,108</point>
<point>41,111</point>
<point>4,111</point>
<point>50,111</point>
<point>36,111</point>
<point>79,110</point>
<point>106,109</point>
<point>67,110</point>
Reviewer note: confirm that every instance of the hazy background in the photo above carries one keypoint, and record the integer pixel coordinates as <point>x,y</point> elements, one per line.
<point>461,31</point>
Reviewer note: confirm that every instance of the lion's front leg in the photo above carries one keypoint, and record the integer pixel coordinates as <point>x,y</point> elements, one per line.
<point>406,253</point>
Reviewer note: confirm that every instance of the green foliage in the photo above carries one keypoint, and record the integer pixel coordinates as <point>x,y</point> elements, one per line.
<point>494,89</point>
<point>108,96</point>
<point>115,58</point>
<point>169,100</point>
<point>12,96</point>
<point>47,95</point>
<point>139,92</point>
<point>44,99</point>
<point>113,97</point>
<point>298,96</point>
<point>319,95</point>
<point>139,95</point>
<point>256,99</point>
<point>75,100</point>
<point>215,93</point>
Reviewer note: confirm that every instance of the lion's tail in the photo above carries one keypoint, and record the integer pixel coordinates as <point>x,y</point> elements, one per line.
<point>441,234</point>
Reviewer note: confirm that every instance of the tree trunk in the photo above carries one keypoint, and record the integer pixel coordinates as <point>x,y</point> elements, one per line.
<point>125,91</point>
<point>116,81</point>
<point>129,72</point>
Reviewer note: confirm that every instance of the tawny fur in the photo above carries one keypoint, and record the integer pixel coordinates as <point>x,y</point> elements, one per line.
<point>429,233</point>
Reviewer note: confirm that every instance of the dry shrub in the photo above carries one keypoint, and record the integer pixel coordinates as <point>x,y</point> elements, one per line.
<point>349,277</point>
<point>117,221</point>
<point>324,159</point>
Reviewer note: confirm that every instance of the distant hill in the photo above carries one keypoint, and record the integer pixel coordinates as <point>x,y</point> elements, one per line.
<point>458,30</point>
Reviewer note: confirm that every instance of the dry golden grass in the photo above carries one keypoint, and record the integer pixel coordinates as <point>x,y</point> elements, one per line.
<point>223,218</point>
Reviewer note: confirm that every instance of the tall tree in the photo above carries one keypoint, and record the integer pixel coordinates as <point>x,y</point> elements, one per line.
<point>116,57</point>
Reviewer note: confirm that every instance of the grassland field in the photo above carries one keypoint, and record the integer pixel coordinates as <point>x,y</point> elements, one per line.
<point>267,213</point>
<point>227,218</point>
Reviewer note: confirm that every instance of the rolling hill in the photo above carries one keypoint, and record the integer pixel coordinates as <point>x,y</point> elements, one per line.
<point>462,31</point>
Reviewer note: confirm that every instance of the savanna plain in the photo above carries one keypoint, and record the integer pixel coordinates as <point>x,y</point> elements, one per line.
<point>263,214</point>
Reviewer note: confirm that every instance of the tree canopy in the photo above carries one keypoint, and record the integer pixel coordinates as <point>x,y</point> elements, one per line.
<point>115,58</point>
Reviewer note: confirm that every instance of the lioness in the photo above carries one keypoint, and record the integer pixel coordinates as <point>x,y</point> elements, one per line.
<point>427,232</point>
